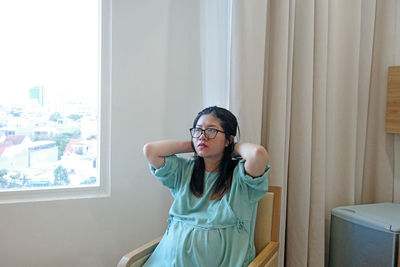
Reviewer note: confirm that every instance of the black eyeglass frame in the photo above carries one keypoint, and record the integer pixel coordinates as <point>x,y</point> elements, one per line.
<point>203,132</point>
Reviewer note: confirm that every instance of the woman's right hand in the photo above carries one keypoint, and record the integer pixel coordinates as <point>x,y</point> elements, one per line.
<point>156,152</point>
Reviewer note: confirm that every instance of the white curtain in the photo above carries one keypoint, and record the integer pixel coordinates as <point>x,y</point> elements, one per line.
<point>247,66</point>
<point>320,68</point>
<point>215,51</point>
<point>232,65</point>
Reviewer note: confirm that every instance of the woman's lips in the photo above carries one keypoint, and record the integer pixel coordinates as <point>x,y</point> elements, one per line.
<point>201,146</point>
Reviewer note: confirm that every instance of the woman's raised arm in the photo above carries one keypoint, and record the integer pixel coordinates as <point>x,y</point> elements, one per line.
<point>256,157</point>
<point>156,152</point>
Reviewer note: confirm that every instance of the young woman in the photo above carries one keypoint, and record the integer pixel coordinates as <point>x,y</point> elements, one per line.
<point>213,215</point>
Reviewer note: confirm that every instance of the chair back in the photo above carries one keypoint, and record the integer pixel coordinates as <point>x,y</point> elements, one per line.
<point>268,219</point>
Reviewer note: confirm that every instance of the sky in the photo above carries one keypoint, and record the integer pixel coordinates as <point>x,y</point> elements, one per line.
<point>49,43</point>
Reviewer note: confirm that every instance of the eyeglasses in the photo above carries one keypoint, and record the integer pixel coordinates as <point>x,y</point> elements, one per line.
<point>210,133</point>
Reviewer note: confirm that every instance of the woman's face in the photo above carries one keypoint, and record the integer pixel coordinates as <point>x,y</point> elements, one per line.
<point>206,147</point>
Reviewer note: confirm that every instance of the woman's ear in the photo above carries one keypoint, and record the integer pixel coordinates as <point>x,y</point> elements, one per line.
<point>230,141</point>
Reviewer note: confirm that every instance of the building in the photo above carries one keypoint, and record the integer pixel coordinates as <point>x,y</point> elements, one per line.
<point>37,93</point>
<point>18,152</point>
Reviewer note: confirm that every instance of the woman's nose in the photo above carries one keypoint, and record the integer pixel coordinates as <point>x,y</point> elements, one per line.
<point>203,136</point>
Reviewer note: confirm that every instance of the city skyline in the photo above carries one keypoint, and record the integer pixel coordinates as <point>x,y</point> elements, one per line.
<point>49,64</point>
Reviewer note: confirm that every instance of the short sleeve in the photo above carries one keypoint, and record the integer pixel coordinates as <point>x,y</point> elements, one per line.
<point>170,173</point>
<point>257,187</point>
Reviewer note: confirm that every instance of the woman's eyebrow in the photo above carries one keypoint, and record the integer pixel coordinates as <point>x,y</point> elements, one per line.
<point>211,125</point>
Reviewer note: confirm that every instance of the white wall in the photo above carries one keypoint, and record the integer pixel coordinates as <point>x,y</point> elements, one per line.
<point>156,92</point>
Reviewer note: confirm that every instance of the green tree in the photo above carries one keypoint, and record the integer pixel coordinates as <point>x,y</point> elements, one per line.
<point>75,134</point>
<point>24,180</point>
<point>55,116</point>
<point>14,179</point>
<point>61,143</point>
<point>91,137</point>
<point>91,180</point>
<point>61,176</point>
<point>75,117</point>
<point>3,181</point>
<point>3,172</point>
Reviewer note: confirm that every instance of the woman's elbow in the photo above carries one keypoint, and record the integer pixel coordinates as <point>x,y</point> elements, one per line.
<point>147,150</point>
<point>261,155</point>
<point>256,164</point>
<point>150,152</point>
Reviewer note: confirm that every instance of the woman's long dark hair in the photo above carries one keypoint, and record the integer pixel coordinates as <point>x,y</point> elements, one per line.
<point>230,126</point>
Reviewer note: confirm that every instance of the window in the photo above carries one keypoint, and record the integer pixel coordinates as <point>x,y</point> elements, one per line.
<point>54,99</point>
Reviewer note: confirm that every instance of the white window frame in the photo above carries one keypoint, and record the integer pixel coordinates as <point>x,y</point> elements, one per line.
<point>104,141</point>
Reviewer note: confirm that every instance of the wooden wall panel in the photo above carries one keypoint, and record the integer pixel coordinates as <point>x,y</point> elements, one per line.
<point>393,101</point>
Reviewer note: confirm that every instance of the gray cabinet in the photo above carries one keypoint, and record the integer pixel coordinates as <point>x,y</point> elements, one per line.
<point>365,235</point>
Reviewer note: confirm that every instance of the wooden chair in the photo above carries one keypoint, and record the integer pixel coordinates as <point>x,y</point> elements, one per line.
<point>266,235</point>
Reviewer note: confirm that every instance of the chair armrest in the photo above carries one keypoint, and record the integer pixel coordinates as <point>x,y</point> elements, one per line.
<point>138,253</point>
<point>265,255</point>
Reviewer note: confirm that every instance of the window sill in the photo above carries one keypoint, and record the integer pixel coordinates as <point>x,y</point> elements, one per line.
<point>52,194</point>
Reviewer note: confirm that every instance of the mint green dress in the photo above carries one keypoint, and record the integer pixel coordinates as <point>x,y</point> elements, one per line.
<point>204,232</point>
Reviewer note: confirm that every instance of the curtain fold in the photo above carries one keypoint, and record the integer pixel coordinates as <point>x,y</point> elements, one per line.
<point>378,167</point>
<point>318,142</point>
<point>300,144</point>
<point>277,100</point>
